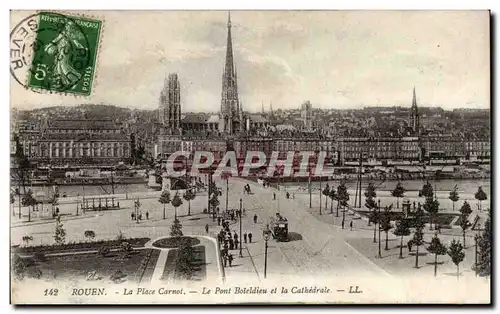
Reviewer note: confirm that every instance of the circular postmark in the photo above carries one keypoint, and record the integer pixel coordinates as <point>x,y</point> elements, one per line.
<point>49,52</point>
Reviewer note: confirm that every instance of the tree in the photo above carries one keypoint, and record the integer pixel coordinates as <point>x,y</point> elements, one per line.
<point>402,230</point>
<point>176,202</point>
<point>399,191</point>
<point>480,196</point>
<point>89,234</point>
<point>21,172</point>
<point>343,198</point>
<point>385,224</point>
<point>29,201</point>
<point>374,217</point>
<point>54,202</point>
<point>454,196</point>
<point>483,267</point>
<point>214,202</point>
<point>370,195</point>
<point>60,234</point>
<point>164,199</point>
<point>437,248</point>
<point>176,229</point>
<point>333,196</point>
<point>27,239</point>
<point>12,201</point>
<point>426,190</point>
<point>326,193</point>
<point>184,260</point>
<point>215,189</point>
<point>456,252</point>
<point>431,206</point>
<point>189,196</point>
<point>418,236</point>
<point>465,211</point>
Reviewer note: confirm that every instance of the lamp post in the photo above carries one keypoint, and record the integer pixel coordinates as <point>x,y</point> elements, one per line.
<point>137,204</point>
<point>475,254</point>
<point>241,206</point>
<point>267,235</point>
<point>379,242</point>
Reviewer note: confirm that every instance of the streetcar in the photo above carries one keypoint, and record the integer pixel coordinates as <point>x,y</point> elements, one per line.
<point>279,228</point>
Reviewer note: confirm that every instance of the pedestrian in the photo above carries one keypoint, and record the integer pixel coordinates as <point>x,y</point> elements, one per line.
<point>342,224</point>
<point>230,258</point>
<point>147,215</point>
<point>245,237</point>
<point>350,225</point>
<point>218,221</point>
<point>235,244</point>
<point>231,244</point>
<point>218,210</point>
<point>255,218</point>
<point>206,228</point>
<point>235,237</point>
<point>409,245</point>
<point>250,237</point>
<point>132,216</point>
<point>274,195</point>
<point>287,195</point>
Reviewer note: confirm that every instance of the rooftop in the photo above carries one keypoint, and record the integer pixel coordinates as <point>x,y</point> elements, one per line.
<point>84,124</point>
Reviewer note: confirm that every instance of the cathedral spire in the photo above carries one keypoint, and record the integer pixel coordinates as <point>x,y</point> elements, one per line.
<point>414,116</point>
<point>229,66</point>
<point>414,102</point>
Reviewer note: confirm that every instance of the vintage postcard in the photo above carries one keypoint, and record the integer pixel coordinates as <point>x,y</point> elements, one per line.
<point>216,157</point>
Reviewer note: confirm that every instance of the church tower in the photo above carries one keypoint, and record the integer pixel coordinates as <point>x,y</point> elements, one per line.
<point>231,111</point>
<point>170,103</point>
<point>414,117</point>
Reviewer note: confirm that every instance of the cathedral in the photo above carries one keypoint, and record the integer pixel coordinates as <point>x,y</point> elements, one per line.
<point>169,113</point>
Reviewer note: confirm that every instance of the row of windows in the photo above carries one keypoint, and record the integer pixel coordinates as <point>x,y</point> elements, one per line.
<point>84,152</point>
<point>71,131</point>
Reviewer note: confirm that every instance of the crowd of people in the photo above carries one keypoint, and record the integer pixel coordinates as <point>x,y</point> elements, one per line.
<point>228,239</point>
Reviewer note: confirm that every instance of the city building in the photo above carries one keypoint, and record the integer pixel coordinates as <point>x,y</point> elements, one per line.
<point>77,142</point>
<point>372,149</point>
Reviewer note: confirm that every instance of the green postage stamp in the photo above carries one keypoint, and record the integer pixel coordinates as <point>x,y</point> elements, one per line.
<point>65,53</point>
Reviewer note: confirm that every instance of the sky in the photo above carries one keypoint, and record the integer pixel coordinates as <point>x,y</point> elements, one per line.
<point>334,59</point>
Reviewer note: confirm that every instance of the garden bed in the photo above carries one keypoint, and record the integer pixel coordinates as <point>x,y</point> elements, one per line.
<point>173,272</point>
<point>175,242</point>
<point>81,246</point>
<point>78,266</point>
